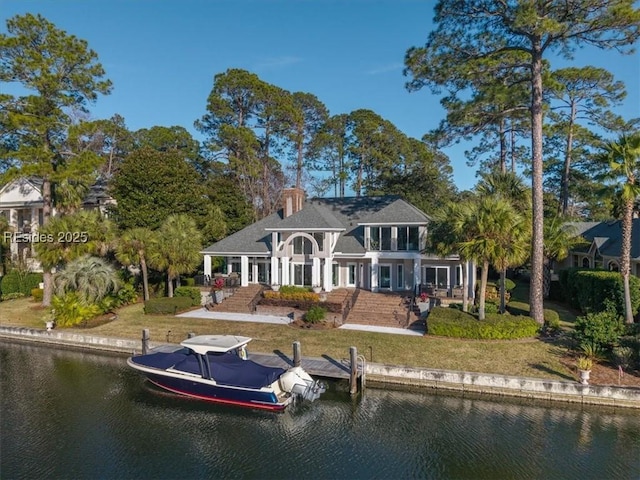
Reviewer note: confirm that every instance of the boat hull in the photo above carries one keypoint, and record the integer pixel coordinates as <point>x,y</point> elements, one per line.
<point>265,400</point>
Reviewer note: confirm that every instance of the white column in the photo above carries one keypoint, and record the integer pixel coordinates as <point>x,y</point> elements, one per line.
<point>207,265</point>
<point>315,272</point>
<point>328,284</point>
<point>417,272</point>
<point>244,271</point>
<point>274,271</point>
<point>374,274</point>
<point>285,271</point>
<point>229,266</point>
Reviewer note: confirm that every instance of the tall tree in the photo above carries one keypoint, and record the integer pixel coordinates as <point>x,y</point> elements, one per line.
<point>331,152</point>
<point>581,94</point>
<point>624,161</point>
<point>511,248</point>
<point>151,185</point>
<point>64,75</point>
<point>309,116</point>
<point>469,34</point>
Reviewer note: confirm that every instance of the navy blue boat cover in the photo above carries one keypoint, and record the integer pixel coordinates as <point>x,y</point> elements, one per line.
<point>226,369</point>
<point>229,369</point>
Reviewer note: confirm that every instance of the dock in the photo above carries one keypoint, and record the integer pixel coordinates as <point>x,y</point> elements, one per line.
<point>326,366</point>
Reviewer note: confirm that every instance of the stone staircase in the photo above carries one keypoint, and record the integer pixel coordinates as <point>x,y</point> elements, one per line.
<point>383,310</point>
<point>240,301</point>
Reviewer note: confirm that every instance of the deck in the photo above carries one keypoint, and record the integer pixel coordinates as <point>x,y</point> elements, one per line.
<point>326,366</point>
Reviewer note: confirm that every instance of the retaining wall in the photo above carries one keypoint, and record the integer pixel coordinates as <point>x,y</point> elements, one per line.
<point>424,377</point>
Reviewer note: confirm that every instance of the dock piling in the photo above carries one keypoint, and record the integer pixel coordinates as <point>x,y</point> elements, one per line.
<point>353,377</point>
<point>297,355</point>
<point>145,341</point>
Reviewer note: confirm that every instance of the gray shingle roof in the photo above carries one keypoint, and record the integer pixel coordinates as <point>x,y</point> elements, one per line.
<point>346,214</point>
<point>608,236</point>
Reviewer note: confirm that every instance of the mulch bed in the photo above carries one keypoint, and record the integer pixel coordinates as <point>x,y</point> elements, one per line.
<point>605,373</point>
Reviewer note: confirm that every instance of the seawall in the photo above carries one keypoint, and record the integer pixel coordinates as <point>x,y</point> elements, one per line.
<point>464,382</point>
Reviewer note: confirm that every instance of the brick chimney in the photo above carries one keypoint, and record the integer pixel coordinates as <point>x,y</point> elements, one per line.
<point>292,201</point>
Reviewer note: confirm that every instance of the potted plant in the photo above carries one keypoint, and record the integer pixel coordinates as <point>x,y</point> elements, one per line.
<point>217,290</point>
<point>423,302</point>
<point>584,365</point>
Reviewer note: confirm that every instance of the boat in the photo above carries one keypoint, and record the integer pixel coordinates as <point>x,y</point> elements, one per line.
<point>218,368</point>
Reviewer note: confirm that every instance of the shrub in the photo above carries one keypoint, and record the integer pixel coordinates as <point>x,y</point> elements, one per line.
<point>293,295</point>
<point>603,328</point>
<point>588,290</point>
<point>37,294</point>
<point>166,305</point>
<point>289,289</point>
<point>13,296</point>
<point>508,284</point>
<point>622,357</point>
<point>17,281</point>
<point>69,310</point>
<point>189,282</point>
<point>490,307</point>
<point>315,314</point>
<point>449,322</point>
<point>190,292</point>
<point>592,350</point>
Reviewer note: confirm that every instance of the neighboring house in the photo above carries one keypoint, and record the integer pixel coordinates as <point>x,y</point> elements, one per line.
<point>603,246</point>
<point>21,204</point>
<point>373,243</point>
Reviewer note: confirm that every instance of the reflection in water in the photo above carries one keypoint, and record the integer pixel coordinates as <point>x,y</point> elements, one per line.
<point>69,414</point>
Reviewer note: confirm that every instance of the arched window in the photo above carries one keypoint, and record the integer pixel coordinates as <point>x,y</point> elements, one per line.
<point>585,262</point>
<point>613,266</point>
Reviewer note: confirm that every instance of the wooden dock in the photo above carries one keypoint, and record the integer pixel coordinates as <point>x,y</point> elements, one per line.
<point>326,366</point>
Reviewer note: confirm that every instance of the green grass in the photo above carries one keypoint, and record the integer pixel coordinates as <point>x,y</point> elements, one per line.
<point>530,357</point>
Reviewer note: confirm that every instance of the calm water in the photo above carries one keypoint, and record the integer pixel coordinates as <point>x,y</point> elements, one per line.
<point>67,414</point>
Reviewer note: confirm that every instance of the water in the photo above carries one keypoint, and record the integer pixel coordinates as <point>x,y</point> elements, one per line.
<point>77,415</point>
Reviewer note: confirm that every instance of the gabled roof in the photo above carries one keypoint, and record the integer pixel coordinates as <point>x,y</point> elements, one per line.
<point>607,237</point>
<point>345,215</point>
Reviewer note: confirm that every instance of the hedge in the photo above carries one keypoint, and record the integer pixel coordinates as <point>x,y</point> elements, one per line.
<point>551,317</point>
<point>451,322</point>
<point>167,306</point>
<point>190,292</point>
<point>587,289</point>
<point>17,282</point>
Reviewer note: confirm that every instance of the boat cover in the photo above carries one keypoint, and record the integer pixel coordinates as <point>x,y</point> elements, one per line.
<point>229,369</point>
<point>162,360</point>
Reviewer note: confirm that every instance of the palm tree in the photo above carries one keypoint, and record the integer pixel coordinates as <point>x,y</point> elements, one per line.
<point>624,163</point>
<point>69,237</point>
<point>178,248</point>
<point>511,188</point>
<point>91,278</point>
<point>132,249</point>
<point>445,234</point>
<point>491,223</point>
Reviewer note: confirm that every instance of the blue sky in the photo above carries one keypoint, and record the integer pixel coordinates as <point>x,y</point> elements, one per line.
<point>162,55</point>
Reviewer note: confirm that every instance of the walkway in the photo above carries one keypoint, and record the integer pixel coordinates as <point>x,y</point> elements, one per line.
<point>250,317</point>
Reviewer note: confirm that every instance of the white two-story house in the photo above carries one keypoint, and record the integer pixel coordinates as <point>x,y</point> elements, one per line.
<point>372,243</point>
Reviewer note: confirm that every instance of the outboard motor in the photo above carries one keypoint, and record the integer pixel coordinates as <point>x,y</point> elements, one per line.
<point>299,383</point>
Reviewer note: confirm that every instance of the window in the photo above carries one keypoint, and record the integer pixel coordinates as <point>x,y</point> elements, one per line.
<point>385,276</point>
<point>380,238</point>
<point>437,276</point>
<point>408,238</point>
<point>351,275</point>
<point>585,262</point>
<point>302,246</point>
<point>302,274</point>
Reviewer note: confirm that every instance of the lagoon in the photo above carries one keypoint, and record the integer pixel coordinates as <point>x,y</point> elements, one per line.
<point>84,415</point>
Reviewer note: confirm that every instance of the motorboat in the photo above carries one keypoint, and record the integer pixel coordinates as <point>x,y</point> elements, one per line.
<point>218,368</point>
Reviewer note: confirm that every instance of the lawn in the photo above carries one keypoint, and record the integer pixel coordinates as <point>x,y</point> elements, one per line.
<point>530,358</point>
